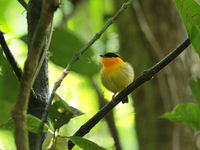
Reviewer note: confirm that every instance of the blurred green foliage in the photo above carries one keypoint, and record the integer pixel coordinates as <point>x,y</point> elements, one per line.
<point>7,140</point>
<point>8,86</point>
<point>33,124</point>
<point>64,46</point>
<point>195,88</point>
<point>85,19</point>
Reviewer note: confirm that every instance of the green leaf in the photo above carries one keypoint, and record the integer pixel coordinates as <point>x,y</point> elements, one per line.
<point>61,143</point>
<point>8,80</point>
<point>96,8</point>
<point>9,86</point>
<point>33,124</point>
<point>85,144</point>
<point>64,46</point>
<point>60,112</point>
<point>47,142</point>
<point>195,87</point>
<point>9,125</point>
<point>187,114</point>
<point>190,14</point>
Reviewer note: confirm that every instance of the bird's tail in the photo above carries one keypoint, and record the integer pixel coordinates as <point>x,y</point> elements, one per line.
<point>125,100</point>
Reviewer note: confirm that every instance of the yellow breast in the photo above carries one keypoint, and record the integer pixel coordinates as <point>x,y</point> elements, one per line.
<point>117,76</point>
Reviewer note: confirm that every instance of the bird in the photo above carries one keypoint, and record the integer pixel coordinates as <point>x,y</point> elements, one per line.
<point>116,74</point>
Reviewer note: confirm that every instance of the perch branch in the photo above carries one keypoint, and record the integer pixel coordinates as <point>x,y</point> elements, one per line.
<point>23,3</point>
<point>76,57</point>
<point>145,76</point>
<point>109,118</point>
<point>20,109</point>
<point>85,48</point>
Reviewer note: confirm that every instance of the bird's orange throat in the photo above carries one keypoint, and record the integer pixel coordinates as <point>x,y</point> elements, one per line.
<point>112,61</point>
<point>111,64</point>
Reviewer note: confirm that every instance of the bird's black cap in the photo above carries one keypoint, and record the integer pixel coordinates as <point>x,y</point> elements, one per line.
<point>109,55</point>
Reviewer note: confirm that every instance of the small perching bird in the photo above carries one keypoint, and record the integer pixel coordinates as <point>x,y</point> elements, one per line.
<point>116,74</point>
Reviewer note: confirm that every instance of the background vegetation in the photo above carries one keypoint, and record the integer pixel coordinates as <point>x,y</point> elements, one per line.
<point>143,34</point>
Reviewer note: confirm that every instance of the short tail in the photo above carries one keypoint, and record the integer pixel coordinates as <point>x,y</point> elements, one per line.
<point>125,100</point>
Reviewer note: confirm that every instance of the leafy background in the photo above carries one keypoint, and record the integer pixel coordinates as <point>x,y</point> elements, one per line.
<point>65,43</point>
<point>83,21</point>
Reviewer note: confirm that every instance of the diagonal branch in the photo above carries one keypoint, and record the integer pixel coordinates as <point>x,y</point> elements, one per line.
<point>9,56</point>
<point>20,109</point>
<point>77,56</point>
<point>146,76</point>
<point>109,118</point>
<point>88,45</point>
<point>23,3</point>
<point>11,59</point>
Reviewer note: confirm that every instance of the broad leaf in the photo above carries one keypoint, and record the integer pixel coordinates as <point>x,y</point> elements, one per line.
<point>9,86</point>
<point>33,124</point>
<point>47,142</point>
<point>190,14</point>
<point>187,114</point>
<point>85,144</point>
<point>64,46</point>
<point>61,143</point>
<point>60,112</point>
<point>195,87</point>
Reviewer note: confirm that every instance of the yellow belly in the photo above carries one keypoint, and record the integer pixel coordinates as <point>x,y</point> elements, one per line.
<point>117,78</point>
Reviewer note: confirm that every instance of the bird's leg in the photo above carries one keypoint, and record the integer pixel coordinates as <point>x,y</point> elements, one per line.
<point>113,97</point>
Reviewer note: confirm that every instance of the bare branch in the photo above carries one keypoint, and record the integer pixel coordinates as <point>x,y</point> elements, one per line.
<point>146,76</point>
<point>20,109</point>
<point>23,3</point>
<point>11,59</point>
<point>77,56</point>
<point>9,56</point>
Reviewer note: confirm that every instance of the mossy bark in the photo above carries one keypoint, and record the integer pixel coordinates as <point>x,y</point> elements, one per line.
<point>41,86</point>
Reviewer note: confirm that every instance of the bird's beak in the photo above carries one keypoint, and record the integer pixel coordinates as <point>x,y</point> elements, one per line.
<point>101,55</point>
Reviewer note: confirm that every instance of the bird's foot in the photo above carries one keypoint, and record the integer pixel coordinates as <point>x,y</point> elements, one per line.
<point>113,97</point>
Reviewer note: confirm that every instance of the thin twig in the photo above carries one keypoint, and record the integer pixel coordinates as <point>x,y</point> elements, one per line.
<point>76,57</point>
<point>35,48</point>
<point>23,3</point>
<point>146,76</point>
<point>9,56</point>
<point>85,48</point>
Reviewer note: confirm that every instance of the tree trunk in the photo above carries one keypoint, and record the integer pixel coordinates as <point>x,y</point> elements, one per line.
<point>148,32</point>
<point>41,85</point>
